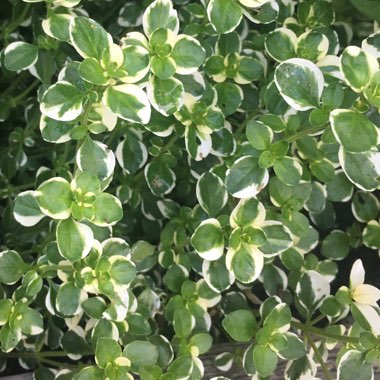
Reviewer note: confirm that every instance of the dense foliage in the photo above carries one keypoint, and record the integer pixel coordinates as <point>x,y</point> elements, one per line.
<point>175,174</point>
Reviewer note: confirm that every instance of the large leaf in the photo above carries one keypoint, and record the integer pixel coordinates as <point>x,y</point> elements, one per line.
<point>12,267</point>
<point>354,131</point>
<point>88,37</point>
<point>20,56</point>
<point>240,324</point>
<point>26,210</point>
<point>300,83</point>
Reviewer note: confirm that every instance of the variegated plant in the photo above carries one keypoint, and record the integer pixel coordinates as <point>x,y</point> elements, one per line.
<point>175,174</point>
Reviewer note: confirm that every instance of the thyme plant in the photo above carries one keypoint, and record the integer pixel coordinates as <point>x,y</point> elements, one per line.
<point>176,174</point>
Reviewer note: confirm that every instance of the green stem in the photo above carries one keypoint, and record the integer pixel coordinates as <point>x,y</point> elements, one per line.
<point>47,268</point>
<point>86,113</point>
<point>57,364</point>
<point>305,132</point>
<point>15,83</point>
<point>26,92</point>
<point>15,23</point>
<point>322,333</point>
<point>317,319</point>
<point>318,355</point>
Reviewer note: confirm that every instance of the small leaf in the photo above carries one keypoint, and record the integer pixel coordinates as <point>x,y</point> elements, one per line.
<point>107,350</point>
<point>93,373</point>
<point>358,67</point>
<point>131,154</point>
<point>281,44</point>
<point>241,325</point>
<point>74,239</point>
<point>352,365</point>
<point>265,360</point>
<point>211,193</point>
<point>26,209</point>
<point>91,71</point>
<point>188,55</point>
<point>208,240</point>
<point>245,263</point>
<point>12,267</point>
<point>224,15</point>
<point>288,170</point>
<point>122,270</point>
<point>245,178</point>
<point>69,298</point>
<point>96,158</point>
<point>55,198</point>
<point>140,352</point>
<point>160,178</point>
<point>20,56</point>
<point>160,14</point>
<point>62,101</point>
<point>129,102</point>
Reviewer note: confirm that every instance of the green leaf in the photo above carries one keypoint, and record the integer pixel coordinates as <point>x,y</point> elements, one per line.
<point>31,322</point>
<point>5,310</point>
<point>312,45</point>
<point>57,25</point>
<point>96,158</point>
<point>62,101</point>
<point>358,67</point>
<point>211,193</point>
<point>55,131</point>
<point>336,245</point>
<point>188,54</point>
<point>129,102</point>
<point>54,197</point>
<point>295,348</point>
<point>224,15</point>
<point>160,14</point>
<point>288,170</point>
<point>107,350</point>
<point>230,97</point>
<point>136,63</point>
<point>248,212</point>
<point>20,56</point>
<point>12,267</point>
<point>69,298</point>
<point>245,178</point>
<point>241,325</point>
<point>164,68</point>
<point>91,71</point>
<point>245,263</point>
<point>259,135</point>
<point>93,373</point>
<point>312,289</point>
<point>362,169</point>
<point>160,178</point>
<point>131,154</point>
<point>181,367</point>
<point>323,170</point>
<point>371,235</point>
<point>202,341</point>
<point>279,318</point>
<point>9,338</point>
<point>74,239</point>
<point>183,322</point>
<point>208,240</point>
<point>94,307</point>
<point>26,210</point>
<point>140,352</point>
<point>89,38</point>
<point>265,360</point>
<point>281,44</point>
<point>122,270</point>
<point>165,95</point>
<point>278,238</point>
<point>217,275</point>
<point>354,131</point>
<point>300,83</point>
<point>352,365</point>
